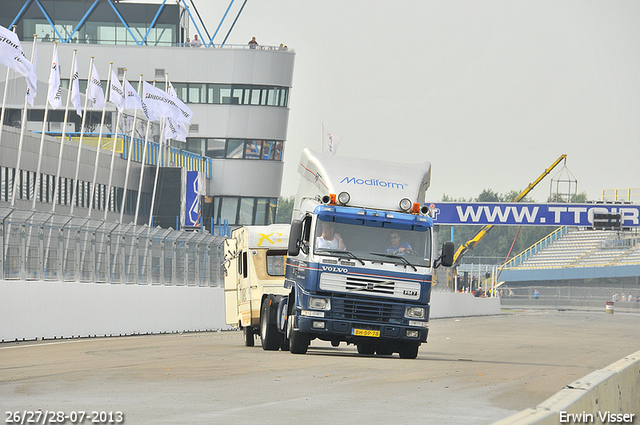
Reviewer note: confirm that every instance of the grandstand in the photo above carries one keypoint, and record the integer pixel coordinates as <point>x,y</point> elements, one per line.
<point>572,253</point>
<point>575,247</point>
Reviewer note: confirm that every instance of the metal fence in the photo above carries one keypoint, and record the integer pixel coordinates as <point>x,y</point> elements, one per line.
<point>573,292</point>
<point>51,247</point>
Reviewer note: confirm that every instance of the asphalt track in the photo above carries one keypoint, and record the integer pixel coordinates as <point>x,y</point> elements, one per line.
<point>473,370</point>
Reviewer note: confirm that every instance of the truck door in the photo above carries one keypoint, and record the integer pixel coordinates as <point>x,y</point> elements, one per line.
<point>231,277</point>
<point>245,303</point>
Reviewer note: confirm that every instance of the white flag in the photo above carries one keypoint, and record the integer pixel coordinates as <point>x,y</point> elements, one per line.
<point>55,90</point>
<point>163,105</point>
<point>94,90</point>
<point>176,130</point>
<point>133,101</point>
<point>331,142</point>
<point>32,79</point>
<point>11,53</point>
<point>116,94</point>
<point>75,89</point>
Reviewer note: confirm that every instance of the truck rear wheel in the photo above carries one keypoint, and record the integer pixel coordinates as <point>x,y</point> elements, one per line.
<point>409,350</point>
<point>271,338</point>
<point>247,333</point>
<point>298,341</point>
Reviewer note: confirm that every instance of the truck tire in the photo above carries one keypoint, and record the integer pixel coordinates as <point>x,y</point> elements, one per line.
<point>247,333</point>
<point>367,348</point>
<point>271,338</point>
<point>298,341</point>
<point>409,350</point>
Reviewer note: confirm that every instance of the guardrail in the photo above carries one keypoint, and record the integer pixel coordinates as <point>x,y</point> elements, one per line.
<point>631,194</point>
<point>173,156</point>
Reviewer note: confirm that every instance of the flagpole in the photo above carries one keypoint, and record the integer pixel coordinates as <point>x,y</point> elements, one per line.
<point>4,101</point>
<point>160,150</point>
<point>129,155</point>
<point>144,157</point>
<point>44,129</point>
<point>113,148</point>
<point>95,167</point>
<point>76,186</point>
<point>16,176</point>
<point>4,97</point>
<point>158,160</point>
<point>56,185</point>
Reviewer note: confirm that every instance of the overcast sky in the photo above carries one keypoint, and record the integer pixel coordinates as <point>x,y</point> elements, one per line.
<point>490,92</point>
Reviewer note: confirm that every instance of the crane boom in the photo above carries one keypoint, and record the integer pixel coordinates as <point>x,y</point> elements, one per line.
<point>471,243</point>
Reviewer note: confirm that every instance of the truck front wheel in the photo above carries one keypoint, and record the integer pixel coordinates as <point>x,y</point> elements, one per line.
<point>271,338</point>
<point>409,350</point>
<point>298,341</point>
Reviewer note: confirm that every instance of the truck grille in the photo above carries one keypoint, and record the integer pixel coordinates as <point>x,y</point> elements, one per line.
<point>370,286</point>
<point>368,311</point>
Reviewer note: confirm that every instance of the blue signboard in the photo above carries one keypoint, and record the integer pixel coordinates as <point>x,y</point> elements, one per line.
<point>525,214</point>
<point>194,190</point>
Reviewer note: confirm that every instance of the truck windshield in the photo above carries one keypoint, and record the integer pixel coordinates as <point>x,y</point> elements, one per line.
<point>373,243</point>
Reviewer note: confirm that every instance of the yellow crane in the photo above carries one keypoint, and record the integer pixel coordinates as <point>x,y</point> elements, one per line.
<point>471,243</point>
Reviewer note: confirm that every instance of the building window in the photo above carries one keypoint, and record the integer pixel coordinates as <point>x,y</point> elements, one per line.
<point>245,215</point>
<point>252,149</point>
<point>217,94</point>
<point>241,211</point>
<point>235,149</point>
<point>229,209</point>
<point>270,150</point>
<point>215,148</point>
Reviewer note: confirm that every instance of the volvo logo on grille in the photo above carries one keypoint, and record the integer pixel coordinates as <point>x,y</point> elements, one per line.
<point>370,286</point>
<point>335,269</point>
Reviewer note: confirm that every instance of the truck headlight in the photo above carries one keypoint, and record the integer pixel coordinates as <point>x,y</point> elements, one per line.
<point>319,303</point>
<point>405,204</point>
<point>415,312</point>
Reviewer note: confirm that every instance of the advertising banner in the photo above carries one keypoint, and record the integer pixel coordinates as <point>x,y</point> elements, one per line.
<point>529,214</point>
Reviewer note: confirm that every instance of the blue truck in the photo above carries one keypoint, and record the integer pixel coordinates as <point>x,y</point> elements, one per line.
<point>359,261</point>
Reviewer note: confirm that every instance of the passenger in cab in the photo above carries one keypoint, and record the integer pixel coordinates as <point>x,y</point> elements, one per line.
<point>398,246</point>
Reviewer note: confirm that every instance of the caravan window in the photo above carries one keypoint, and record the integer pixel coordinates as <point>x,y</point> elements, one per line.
<point>275,262</point>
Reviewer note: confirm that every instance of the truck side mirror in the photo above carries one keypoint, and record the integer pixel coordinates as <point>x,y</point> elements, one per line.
<point>295,233</point>
<point>448,250</point>
<point>446,257</point>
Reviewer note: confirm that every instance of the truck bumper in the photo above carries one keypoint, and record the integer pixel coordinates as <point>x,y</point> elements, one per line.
<point>326,328</point>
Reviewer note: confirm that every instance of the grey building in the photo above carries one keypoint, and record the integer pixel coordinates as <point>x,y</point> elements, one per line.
<point>239,95</point>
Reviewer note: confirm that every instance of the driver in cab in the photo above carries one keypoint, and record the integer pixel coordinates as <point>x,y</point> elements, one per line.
<point>329,239</point>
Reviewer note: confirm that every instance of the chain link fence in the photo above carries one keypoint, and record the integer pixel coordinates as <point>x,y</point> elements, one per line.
<point>51,247</point>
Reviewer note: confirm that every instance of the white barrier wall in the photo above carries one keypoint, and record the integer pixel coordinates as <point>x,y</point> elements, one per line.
<point>36,310</point>
<point>30,310</point>
<point>609,395</point>
<point>453,304</point>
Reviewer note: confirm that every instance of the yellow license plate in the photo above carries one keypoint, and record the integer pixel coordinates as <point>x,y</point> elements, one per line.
<point>365,332</point>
